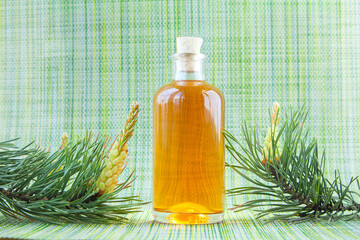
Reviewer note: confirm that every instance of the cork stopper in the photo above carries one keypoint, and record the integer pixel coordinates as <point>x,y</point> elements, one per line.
<point>189,50</point>
<point>188,44</point>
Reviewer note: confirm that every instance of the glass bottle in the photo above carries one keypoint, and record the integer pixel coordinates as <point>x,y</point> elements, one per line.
<point>188,146</point>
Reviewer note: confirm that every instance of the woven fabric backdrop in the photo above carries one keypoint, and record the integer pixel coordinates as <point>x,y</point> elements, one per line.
<point>69,66</point>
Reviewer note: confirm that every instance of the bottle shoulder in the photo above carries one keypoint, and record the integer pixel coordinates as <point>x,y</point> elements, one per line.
<point>210,87</point>
<point>187,87</point>
<point>163,89</point>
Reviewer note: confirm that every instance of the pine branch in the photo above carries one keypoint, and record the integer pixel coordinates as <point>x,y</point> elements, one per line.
<point>62,186</point>
<point>289,175</point>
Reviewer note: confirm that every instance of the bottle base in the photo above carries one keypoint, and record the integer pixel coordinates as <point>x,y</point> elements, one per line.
<point>187,218</point>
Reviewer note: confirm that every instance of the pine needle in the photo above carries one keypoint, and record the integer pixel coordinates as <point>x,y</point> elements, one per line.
<point>61,186</point>
<point>290,179</point>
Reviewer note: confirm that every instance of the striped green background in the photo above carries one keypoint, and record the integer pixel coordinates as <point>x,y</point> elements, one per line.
<point>68,66</point>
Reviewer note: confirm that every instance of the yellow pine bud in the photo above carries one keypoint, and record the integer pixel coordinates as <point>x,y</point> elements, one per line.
<point>113,154</point>
<point>121,164</point>
<point>103,177</point>
<point>115,160</point>
<point>272,132</point>
<point>101,186</point>
<point>108,174</point>
<point>123,155</point>
<point>108,182</point>
<point>109,165</point>
<point>275,112</point>
<point>268,134</point>
<point>267,145</point>
<point>116,145</point>
<point>64,140</point>
<point>111,188</point>
<point>119,161</point>
<point>114,178</point>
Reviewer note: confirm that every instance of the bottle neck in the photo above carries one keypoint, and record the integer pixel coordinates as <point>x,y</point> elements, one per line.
<point>188,66</point>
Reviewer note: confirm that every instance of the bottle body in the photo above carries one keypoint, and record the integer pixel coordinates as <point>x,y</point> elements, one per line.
<point>188,153</point>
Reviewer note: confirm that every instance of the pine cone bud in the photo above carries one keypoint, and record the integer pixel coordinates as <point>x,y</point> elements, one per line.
<point>115,161</point>
<point>64,140</point>
<point>114,166</point>
<point>273,130</point>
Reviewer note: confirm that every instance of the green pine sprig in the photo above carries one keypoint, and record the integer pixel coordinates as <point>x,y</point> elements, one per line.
<point>61,186</point>
<point>292,187</point>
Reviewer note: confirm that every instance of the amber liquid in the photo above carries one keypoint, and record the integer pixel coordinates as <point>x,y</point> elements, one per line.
<point>188,149</point>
